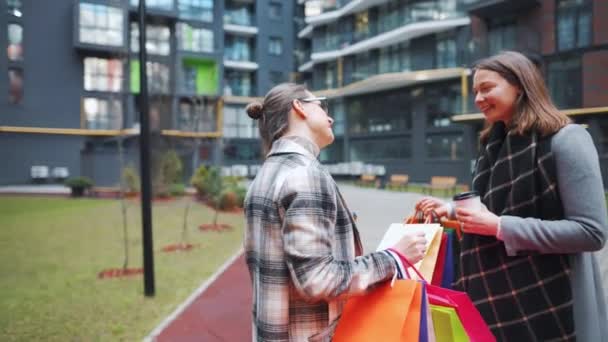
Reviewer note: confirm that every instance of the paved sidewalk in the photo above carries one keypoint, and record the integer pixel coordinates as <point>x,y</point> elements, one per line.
<point>222,312</point>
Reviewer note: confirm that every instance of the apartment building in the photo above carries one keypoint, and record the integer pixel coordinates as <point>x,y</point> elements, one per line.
<point>70,103</point>
<point>398,73</point>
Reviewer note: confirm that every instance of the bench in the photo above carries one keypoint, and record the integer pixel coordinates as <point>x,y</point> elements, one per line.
<point>398,181</point>
<point>445,183</point>
<point>369,180</point>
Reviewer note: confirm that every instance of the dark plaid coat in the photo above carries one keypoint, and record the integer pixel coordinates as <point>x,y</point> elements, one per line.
<point>302,247</point>
<point>526,297</point>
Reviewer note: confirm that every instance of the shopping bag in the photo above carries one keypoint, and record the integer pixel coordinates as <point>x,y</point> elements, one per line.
<point>476,328</point>
<point>382,314</point>
<point>448,326</point>
<point>440,265</point>
<point>448,265</point>
<point>432,232</point>
<point>427,332</point>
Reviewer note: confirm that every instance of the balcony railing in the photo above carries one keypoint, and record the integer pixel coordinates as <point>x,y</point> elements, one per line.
<point>238,17</point>
<point>384,22</point>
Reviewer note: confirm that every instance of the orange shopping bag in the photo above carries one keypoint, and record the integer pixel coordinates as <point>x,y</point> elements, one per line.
<point>388,314</point>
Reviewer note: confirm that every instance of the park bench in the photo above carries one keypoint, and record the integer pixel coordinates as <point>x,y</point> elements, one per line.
<point>398,181</point>
<point>445,183</point>
<point>368,180</point>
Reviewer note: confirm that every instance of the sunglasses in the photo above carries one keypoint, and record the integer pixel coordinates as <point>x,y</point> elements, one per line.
<point>322,102</point>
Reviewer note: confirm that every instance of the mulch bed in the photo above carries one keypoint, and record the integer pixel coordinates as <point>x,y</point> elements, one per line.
<point>120,273</point>
<point>210,227</point>
<point>179,247</point>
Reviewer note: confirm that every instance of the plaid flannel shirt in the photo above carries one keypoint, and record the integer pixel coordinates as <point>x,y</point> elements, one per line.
<point>302,247</point>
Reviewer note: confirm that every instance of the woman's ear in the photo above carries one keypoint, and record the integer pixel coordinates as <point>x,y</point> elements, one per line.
<point>298,109</point>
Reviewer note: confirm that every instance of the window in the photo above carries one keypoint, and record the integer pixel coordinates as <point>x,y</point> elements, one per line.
<point>333,153</point>
<point>444,146</point>
<point>565,82</point>
<point>501,37</point>
<point>100,24</point>
<point>102,74</point>
<point>14,7</point>
<point>102,113</point>
<point>442,103</point>
<point>15,85</point>
<point>158,77</point>
<point>15,42</point>
<point>238,49</point>
<point>336,112</point>
<point>157,39</point>
<point>573,24</point>
<point>197,116</point>
<point>194,39</point>
<point>159,4</point>
<point>446,53</point>
<point>237,124</point>
<point>238,83</point>
<point>373,114</point>
<point>275,10</point>
<point>240,14</point>
<point>275,46</point>
<point>242,151</point>
<point>362,25</point>
<point>196,9</point>
<point>380,149</point>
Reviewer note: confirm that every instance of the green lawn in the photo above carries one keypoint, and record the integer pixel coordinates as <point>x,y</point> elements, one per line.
<point>53,248</point>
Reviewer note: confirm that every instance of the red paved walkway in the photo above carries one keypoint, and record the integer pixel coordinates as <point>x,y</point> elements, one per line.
<point>221,313</point>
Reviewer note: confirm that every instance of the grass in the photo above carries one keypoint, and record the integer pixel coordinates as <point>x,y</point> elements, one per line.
<point>53,248</point>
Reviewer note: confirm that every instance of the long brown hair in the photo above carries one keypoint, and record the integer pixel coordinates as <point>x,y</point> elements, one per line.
<point>273,113</point>
<point>534,110</point>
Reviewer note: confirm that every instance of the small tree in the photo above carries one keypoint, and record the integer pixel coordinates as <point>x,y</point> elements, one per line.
<point>170,172</point>
<point>198,181</point>
<point>130,179</point>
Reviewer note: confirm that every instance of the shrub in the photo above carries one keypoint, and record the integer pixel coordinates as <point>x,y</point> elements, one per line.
<point>177,189</point>
<point>130,178</point>
<point>228,200</point>
<point>79,182</point>
<point>198,181</point>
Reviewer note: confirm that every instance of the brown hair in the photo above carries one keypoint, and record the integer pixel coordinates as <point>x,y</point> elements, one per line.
<point>273,113</point>
<point>534,110</point>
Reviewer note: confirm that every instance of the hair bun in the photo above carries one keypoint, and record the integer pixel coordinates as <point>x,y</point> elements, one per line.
<point>254,110</point>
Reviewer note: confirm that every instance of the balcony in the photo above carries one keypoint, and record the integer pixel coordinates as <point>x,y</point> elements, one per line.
<point>490,8</point>
<point>390,17</point>
<point>343,8</point>
<point>240,22</point>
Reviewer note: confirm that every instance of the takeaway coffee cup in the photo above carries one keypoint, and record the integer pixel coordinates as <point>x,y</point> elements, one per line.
<point>469,200</point>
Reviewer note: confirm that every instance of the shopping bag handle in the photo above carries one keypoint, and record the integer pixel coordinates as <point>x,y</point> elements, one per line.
<point>408,264</point>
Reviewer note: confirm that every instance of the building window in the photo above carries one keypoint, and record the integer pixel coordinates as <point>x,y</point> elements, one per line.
<point>197,116</point>
<point>199,76</point>
<point>237,124</point>
<point>100,24</point>
<point>445,146</point>
<point>238,14</point>
<point>102,113</point>
<point>157,39</point>
<point>501,37</point>
<point>14,7</point>
<point>102,74</point>
<point>443,102</point>
<point>158,77</point>
<point>565,83</point>
<point>372,114</point>
<point>238,83</point>
<point>362,25</point>
<point>573,24</point>
<point>166,5</point>
<point>333,153</point>
<point>196,9</point>
<point>15,85</point>
<point>15,42</point>
<point>238,152</point>
<point>238,49</point>
<point>275,10</point>
<point>366,150</point>
<point>194,39</point>
<point>275,46</point>
<point>446,53</point>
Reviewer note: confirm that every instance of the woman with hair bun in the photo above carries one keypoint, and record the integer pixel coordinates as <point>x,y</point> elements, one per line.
<point>302,246</point>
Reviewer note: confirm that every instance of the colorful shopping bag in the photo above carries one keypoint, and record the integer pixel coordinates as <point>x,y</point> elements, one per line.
<point>386,313</point>
<point>476,328</point>
<point>440,265</point>
<point>448,327</point>
<point>448,265</point>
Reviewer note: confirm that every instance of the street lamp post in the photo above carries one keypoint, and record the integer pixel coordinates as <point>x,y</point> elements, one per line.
<point>144,146</point>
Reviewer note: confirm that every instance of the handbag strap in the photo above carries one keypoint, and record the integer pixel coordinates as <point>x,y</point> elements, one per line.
<point>408,264</point>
